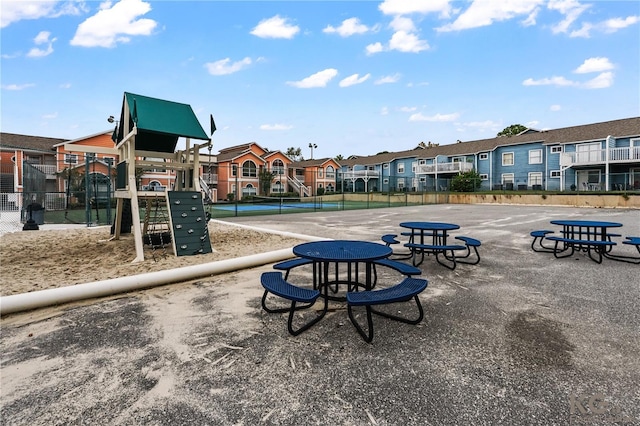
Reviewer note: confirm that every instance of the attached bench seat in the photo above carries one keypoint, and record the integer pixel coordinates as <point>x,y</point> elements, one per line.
<point>392,239</point>
<point>403,268</point>
<point>438,250</point>
<point>471,243</point>
<point>538,237</point>
<point>631,241</point>
<point>571,244</point>
<point>288,265</point>
<point>274,283</point>
<point>407,289</point>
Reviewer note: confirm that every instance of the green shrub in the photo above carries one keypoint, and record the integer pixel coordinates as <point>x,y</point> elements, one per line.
<point>466,182</point>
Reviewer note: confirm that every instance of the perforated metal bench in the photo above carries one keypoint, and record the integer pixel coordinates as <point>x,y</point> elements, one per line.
<point>274,283</point>
<point>288,265</point>
<point>470,243</point>
<point>538,237</point>
<point>570,245</point>
<point>407,289</point>
<point>438,250</point>
<point>401,267</point>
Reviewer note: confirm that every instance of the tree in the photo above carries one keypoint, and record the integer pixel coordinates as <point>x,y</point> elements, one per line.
<point>514,129</point>
<point>466,182</point>
<point>265,177</point>
<point>338,157</point>
<point>294,153</point>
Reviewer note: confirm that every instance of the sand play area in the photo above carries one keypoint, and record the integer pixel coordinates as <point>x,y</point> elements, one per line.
<point>43,259</point>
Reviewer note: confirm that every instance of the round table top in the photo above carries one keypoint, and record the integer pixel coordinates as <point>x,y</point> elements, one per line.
<point>586,223</point>
<point>342,251</point>
<point>430,226</point>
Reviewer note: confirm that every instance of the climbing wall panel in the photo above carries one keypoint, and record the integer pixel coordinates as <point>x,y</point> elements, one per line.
<point>188,223</point>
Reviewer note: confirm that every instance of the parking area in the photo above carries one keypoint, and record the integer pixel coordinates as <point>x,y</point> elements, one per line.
<point>520,338</point>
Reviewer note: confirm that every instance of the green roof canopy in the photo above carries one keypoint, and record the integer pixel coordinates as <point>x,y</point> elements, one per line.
<point>160,123</point>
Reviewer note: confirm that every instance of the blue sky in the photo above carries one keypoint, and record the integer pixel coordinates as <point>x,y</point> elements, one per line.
<point>356,77</point>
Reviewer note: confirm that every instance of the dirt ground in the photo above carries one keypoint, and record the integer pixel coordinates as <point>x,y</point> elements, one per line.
<point>43,259</point>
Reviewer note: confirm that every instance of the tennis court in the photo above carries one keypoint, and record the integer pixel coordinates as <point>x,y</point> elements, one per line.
<point>275,205</point>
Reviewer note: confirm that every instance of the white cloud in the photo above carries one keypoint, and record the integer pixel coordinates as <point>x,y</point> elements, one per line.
<point>405,7</point>
<point>571,9</point>
<point>402,23</point>
<point>602,81</point>
<point>482,13</point>
<point>14,11</point>
<point>17,86</point>
<point>50,116</point>
<point>348,28</point>
<point>407,42</point>
<point>388,79</point>
<point>434,118</point>
<point>384,111</point>
<point>225,66</point>
<point>319,79</point>
<point>555,108</point>
<point>114,24</point>
<point>553,81</point>
<point>374,48</point>
<point>594,65</point>
<point>615,24</point>
<point>407,109</point>
<point>42,38</point>
<point>275,27</point>
<point>276,127</point>
<point>609,26</point>
<point>65,86</point>
<point>353,80</point>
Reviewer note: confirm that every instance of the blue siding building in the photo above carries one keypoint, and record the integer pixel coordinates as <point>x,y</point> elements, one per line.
<point>594,157</point>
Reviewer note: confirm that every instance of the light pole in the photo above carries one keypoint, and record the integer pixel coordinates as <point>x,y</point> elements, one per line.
<point>312,145</point>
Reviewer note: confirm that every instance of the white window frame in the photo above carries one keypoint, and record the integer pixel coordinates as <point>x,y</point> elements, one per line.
<point>555,174</point>
<point>484,176</point>
<point>507,178</point>
<point>106,160</point>
<point>535,156</point>
<point>385,181</point>
<point>414,166</point>
<point>483,156</point>
<point>556,149</point>
<point>534,178</point>
<point>401,183</point>
<point>385,166</point>
<point>508,154</point>
<point>70,158</point>
<point>400,168</point>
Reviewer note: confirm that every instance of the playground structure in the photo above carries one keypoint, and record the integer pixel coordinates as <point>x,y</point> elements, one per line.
<point>146,137</point>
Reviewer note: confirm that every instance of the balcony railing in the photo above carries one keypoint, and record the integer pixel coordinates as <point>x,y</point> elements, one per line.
<point>355,174</point>
<point>616,155</point>
<point>210,178</point>
<point>47,169</point>
<point>453,167</point>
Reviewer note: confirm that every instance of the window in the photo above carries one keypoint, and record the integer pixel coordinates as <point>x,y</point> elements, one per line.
<point>484,176</point>
<point>278,167</point>
<point>423,178</point>
<point>249,189</point>
<point>249,169</point>
<point>401,184</point>
<point>535,156</point>
<point>320,172</point>
<point>234,170</point>
<point>484,156</point>
<point>278,187</point>
<point>385,166</point>
<point>414,166</point>
<point>507,159</point>
<point>422,162</point>
<point>160,160</point>
<point>556,149</point>
<point>109,160</point>
<point>385,181</point>
<point>400,168</point>
<point>555,173</point>
<point>507,178</point>
<point>535,178</point>
<point>331,172</point>
<point>90,156</point>
<point>71,158</point>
